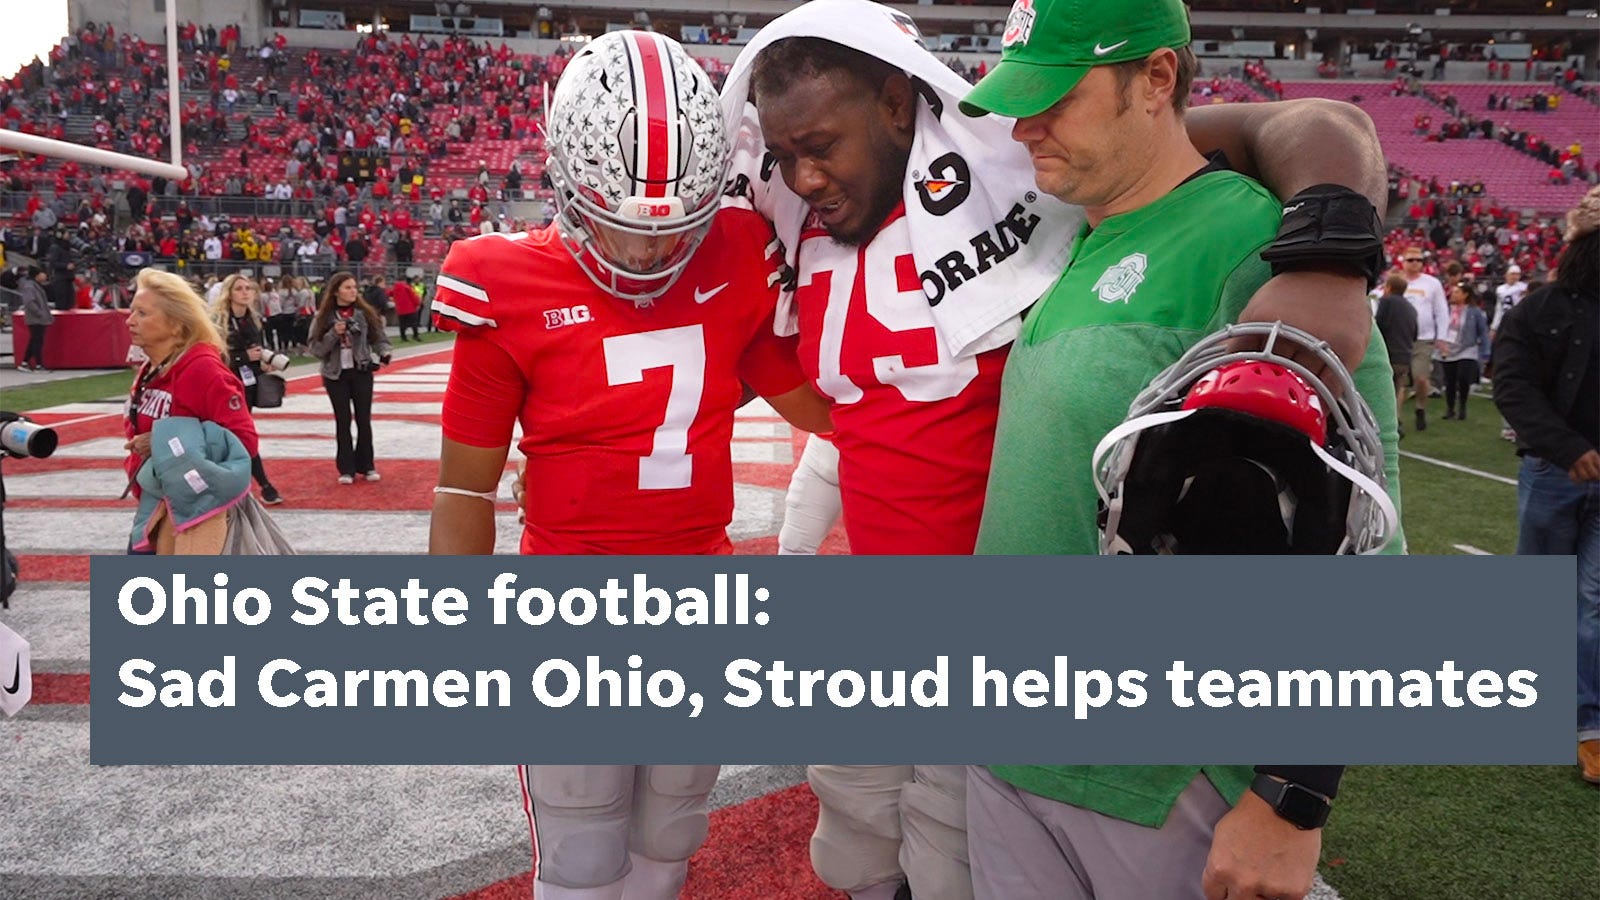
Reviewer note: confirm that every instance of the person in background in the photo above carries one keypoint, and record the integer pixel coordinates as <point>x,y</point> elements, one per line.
<point>184,374</point>
<point>376,293</point>
<point>237,315</point>
<point>1466,336</point>
<point>37,315</point>
<point>1426,293</point>
<point>303,306</point>
<point>272,300</point>
<point>1397,322</point>
<point>348,336</point>
<point>1547,385</point>
<point>406,306</point>
<point>1506,296</point>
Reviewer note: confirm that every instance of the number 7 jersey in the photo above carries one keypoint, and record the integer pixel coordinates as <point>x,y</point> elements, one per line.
<point>626,412</point>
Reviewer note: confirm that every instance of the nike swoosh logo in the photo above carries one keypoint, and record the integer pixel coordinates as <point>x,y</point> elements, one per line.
<point>16,678</point>
<point>702,296</point>
<point>1102,51</point>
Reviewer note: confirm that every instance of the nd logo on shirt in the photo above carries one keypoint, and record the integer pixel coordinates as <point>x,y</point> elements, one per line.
<point>1118,282</point>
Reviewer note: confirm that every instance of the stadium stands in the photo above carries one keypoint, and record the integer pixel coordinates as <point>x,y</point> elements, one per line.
<point>441,122</point>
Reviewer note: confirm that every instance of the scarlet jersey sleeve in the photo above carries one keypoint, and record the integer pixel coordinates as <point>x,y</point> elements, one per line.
<point>485,392</point>
<point>771,364</point>
<point>462,302</point>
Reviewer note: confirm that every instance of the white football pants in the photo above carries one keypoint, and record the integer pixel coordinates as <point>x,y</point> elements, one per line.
<point>615,832</point>
<point>878,824</point>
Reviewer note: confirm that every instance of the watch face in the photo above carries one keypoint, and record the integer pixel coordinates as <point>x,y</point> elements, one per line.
<point>1303,807</point>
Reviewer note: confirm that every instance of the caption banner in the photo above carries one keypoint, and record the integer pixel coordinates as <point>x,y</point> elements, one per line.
<point>775,660</point>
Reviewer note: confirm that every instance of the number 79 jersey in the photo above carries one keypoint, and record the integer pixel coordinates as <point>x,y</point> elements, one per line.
<point>626,412</point>
<point>914,426</point>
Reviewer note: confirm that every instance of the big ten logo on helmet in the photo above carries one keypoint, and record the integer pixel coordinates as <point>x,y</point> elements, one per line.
<point>648,208</point>
<point>947,184</point>
<point>989,247</point>
<point>566,315</point>
<point>1019,24</point>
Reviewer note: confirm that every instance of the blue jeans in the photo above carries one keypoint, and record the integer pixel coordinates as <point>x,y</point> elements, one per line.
<point>1557,517</point>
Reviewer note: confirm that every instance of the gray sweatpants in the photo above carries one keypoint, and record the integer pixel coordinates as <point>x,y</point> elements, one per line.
<point>1027,847</point>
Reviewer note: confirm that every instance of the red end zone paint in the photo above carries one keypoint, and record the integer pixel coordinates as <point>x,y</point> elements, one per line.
<point>758,850</point>
<point>54,688</point>
<point>53,567</point>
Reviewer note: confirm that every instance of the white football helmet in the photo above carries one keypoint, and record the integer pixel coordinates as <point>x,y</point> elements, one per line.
<point>637,159</point>
<point>1245,453</point>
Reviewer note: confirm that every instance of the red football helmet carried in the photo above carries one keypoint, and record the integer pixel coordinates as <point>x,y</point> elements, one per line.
<point>1245,453</point>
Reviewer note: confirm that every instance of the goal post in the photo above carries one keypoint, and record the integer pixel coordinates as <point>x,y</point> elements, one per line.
<point>32,143</point>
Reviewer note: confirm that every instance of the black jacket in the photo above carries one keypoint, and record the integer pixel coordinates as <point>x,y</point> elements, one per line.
<point>1540,357</point>
<point>242,335</point>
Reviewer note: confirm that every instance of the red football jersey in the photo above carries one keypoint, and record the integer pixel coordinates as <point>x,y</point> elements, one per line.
<point>626,412</point>
<point>914,427</point>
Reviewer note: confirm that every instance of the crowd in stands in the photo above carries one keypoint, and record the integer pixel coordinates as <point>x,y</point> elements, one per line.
<point>265,128</point>
<point>1256,72</point>
<point>1455,223</point>
<point>277,140</point>
<point>1566,162</point>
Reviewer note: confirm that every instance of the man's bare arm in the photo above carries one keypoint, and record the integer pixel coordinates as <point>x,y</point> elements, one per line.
<point>464,525</point>
<point>1256,854</point>
<point>1294,144</point>
<point>1290,146</point>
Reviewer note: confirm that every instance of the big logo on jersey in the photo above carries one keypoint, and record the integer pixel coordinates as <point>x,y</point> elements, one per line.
<point>566,315</point>
<point>947,184</point>
<point>1019,24</point>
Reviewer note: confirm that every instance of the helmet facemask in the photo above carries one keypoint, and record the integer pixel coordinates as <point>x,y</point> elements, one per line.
<point>1272,464</point>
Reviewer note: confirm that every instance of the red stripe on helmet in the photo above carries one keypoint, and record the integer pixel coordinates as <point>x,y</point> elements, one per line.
<point>656,165</point>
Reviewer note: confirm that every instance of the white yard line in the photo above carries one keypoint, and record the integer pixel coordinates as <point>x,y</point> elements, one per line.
<point>1471,550</point>
<point>1452,466</point>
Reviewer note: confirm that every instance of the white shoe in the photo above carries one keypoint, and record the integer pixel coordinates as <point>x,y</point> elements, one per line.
<point>347,479</point>
<point>372,475</point>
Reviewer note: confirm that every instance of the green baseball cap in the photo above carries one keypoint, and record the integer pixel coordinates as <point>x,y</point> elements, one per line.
<point>1049,45</point>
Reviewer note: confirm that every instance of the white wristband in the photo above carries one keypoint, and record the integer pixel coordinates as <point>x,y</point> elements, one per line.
<point>490,496</point>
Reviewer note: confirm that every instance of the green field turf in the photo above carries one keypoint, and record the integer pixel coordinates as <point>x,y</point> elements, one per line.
<point>89,388</point>
<point>1463,832</point>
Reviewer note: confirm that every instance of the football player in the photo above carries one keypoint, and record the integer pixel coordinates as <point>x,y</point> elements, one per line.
<point>914,423</point>
<point>618,337</point>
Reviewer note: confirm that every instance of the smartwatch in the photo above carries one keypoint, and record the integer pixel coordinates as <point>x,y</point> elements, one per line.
<point>1300,806</point>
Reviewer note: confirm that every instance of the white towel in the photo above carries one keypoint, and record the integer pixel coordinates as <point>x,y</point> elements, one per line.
<point>982,312</point>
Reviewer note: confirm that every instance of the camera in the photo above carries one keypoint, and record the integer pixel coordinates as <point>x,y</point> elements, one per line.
<point>23,437</point>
